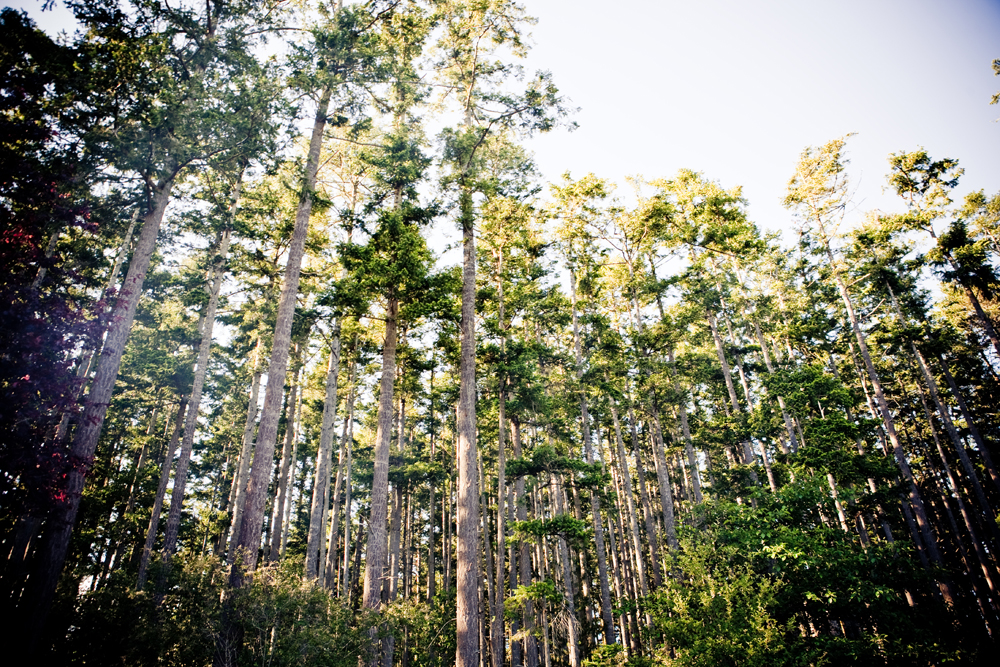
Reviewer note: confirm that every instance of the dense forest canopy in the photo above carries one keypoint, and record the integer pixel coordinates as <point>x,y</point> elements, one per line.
<point>253,413</point>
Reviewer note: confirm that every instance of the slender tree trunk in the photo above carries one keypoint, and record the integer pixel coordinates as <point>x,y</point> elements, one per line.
<point>595,503</point>
<point>663,477</point>
<point>431,567</point>
<point>249,537</point>
<point>246,451</point>
<point>345,581</point>
<point>467,652</point>
<point>640,473</point>
<point>375,563</point>
<point>977,544</point>
<point>49,560</point>
<point>789,428</point>
<point>194,404</point>
<point>332,563</point>
<point>572,625</point>
<point>630,500</point>
<point>278,511</point>
<point>87,358</point>
<point>971,421</point>
<point>161,491</point>
<point>890,427</point>
<point>748,457</point>
<point>321,483</point>
<point>530,644</point>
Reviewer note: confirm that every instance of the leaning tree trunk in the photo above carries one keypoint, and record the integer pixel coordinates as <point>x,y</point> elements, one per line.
<point>890,428</point>
<point>161,491</point>
<point>249,536</point>
<point>321,482</point>
<point>55,543</point>
<point>191,421</point>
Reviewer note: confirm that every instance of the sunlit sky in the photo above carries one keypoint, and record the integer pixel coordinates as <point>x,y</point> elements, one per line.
<point>736,89</point>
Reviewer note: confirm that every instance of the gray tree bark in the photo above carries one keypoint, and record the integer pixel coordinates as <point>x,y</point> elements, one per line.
<point>467,584</point>
<point>49,560</point>
<point>248,540</point>
<point>161,491</point>
<point>194,404</point>
<point>321,482</point>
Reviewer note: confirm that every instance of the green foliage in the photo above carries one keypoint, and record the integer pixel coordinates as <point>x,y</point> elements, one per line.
<point>772,586</point>
<point>540,591</point>
<point>283,620</point>
<point>609,655</point>
<point>576,532</point>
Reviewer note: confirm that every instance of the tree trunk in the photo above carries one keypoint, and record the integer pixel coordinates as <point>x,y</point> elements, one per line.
<point>345,581</point>
<point>331,564</point>
<point>375,562</point>
<point>530,644</point>
<point>647,509</point>
<point>971,421</point>
<point>55,543</point>
<point>191,421</point>
<point>246,450</point>
<point>572,625</point>
<point>467,612</point>
<point>161,491</point>
<point>321,483</point>
<point>626,478</point>
<point>278,511</point>
<point>890,427</point>
<point>248,542</point>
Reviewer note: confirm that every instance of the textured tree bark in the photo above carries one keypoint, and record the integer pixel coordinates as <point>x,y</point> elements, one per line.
<point>49,560</point>
<point>249,538</point>
<point>375,556</point>
<point>191,421</point>
<point>530,644</point>
<point>467,584</point>
<point>246,450</point>
<point>343,479</point>
<point>278,510</point>
<point>161,491</point>
<point>321,482</point>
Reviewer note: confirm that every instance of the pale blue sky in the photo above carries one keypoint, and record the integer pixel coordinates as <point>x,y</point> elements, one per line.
<point>736,89</point>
